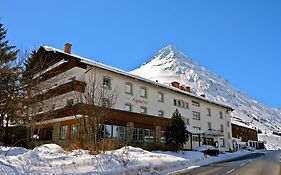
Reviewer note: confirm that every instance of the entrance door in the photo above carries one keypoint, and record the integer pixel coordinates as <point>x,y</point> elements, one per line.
<point>210,141</point>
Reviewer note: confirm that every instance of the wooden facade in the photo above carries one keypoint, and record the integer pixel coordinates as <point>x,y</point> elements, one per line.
<point>244,133</point>
<point>74,85</point>
<point>50,129</point>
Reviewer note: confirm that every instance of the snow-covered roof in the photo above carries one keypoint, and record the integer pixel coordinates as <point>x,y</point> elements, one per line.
<point>241,124</point>
<point>213,133</point>
<point>122,72</point>
<point>194,131</point>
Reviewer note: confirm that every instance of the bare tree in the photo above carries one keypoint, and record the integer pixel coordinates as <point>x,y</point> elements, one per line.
<point>99,99</point>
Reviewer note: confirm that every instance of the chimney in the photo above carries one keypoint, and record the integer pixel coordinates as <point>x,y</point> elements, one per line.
<point>182,88</point>
<point>187,89</point>
<point>175,84</point>
<point>67,48</point>
<point>203,95</point>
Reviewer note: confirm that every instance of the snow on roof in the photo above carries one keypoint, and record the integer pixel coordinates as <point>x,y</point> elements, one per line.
<point>241,124</point>
<point>122,72</point>
<point>194,131</point>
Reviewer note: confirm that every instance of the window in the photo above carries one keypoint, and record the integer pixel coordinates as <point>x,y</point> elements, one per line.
<point>209,125</point>
<point>160,97</point>
<point>63,132</point>
<point>112,131</point>
<point>74,131</point>
<point>162,137</point>
<point>196,128</point>
<point>47,134</point>
<point>107,82</point>
<point>220,115</point>
<point>186,105</point>
<point>120,132</point>
<point>143,110</point>
<point>143,92</point>
<point>222,142</point>
<point>69,102</point>
<point>161,113</point>
<point>228,135</point>
<point>129,88</point>
<point>128,107</point>
<point>195,103</point>
<point>181,103</point>
<point>228,124</point>
<point>196,115</point>
<point>221,128</point>
<point>187,121</point>
<point>138,134</point>
<point>105,131</point>
<point>195,138</point>
<point>148,135</point>
<point>208,112</point>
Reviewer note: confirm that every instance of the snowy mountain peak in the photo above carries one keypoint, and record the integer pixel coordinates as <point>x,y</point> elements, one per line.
<point>170,52</point>
<point>169,64</point>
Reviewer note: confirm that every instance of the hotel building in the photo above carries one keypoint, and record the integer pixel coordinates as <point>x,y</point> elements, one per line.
<point>141,111</point>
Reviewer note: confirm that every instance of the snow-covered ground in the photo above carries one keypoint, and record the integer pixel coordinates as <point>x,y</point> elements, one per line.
<point>52,159</point>
<point>272,142</point>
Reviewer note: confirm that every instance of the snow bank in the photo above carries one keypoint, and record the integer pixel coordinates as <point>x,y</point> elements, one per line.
<point>52,159</point>
<point>205,147</point>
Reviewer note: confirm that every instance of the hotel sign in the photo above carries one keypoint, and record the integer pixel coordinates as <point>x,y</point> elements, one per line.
<point>140,101</point>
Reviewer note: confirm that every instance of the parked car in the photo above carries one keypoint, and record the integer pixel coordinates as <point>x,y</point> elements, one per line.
<point>208,149</point>
<point>248,148</point>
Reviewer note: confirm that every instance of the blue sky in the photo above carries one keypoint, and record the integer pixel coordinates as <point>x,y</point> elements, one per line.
<point>239,40</point>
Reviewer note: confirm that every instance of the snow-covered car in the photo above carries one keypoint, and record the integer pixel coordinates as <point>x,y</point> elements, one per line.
<point>208,149</point>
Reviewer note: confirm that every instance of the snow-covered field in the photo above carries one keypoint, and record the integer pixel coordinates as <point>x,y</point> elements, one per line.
<point>52,159</point>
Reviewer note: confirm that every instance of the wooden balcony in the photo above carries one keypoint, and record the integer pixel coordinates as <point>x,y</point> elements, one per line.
<point>115,117</point>
<point>74,85</point>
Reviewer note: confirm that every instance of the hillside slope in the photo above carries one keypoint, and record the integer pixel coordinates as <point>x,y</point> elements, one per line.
<point>169,65</point>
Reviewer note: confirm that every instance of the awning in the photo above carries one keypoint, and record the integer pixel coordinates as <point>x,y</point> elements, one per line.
<point>213,133</point>
<point>194,131</point>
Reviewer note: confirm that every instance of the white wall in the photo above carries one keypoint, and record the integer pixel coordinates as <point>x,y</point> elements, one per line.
<point>151,102</point>
<point>153,106</point>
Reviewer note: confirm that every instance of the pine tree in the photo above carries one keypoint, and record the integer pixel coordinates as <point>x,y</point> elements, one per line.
<point>176,133</point>
<point>9,74</point>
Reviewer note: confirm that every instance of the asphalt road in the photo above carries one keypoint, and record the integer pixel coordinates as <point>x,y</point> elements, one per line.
<point>266,163</point>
